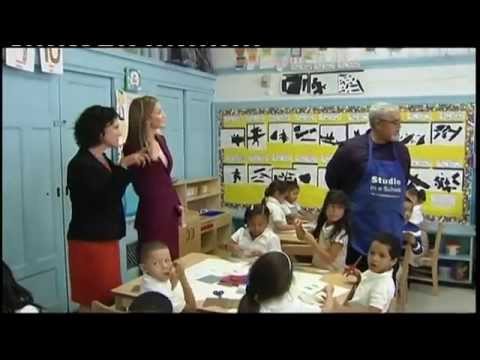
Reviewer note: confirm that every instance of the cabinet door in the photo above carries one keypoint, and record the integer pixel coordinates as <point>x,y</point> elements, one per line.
<point>33,243</point>
<point>198,135</point>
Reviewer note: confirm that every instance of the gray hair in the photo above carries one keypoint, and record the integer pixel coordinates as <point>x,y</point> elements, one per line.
<point>378,110</point>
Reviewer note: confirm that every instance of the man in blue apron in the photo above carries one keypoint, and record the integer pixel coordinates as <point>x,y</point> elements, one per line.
<point>372,169</point>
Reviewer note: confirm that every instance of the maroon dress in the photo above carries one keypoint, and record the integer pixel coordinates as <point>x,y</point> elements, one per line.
<point>158,213</point>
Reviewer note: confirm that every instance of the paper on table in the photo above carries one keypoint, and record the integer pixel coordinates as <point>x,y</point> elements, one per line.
<point>215,267</point>
<point>312,283</point>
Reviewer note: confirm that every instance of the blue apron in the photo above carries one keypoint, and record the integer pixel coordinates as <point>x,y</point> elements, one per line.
<point>377,202</point>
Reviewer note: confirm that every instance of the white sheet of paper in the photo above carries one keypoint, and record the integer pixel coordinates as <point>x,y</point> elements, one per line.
<point>421,131</point>
<point>218,267</point>
<point>306,173</point>
<point>311,283</point>
<point>232,138</point>
<point>235,174</point>
<point>20,58</point>
<point>354,128</point>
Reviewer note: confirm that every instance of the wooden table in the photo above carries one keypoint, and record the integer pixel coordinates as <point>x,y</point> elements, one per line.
<point>126,293</point>
<point>293,246</point>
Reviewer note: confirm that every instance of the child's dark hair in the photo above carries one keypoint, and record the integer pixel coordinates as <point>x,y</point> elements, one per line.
<point>148,247</point>
<point>334,197</point>
<point>151,302</point>
<point>14,295</point>
<point>391,241</point>
<point>421,195</point>
<point>292,185</point>
<point>257,209</point>
<point>276,186</point>
<point>269,277</point>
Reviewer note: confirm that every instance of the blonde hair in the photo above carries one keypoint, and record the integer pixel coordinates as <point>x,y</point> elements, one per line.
<point>140,109</point>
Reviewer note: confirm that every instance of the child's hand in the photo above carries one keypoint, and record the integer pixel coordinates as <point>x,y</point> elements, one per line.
<point>299,230</point>
<point>255,253</point>
<point>350,270</point>
<point>409,239</point>
<point>328,302</point>
<point>178,269</point>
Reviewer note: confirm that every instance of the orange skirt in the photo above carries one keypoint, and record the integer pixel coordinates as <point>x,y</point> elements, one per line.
<point>94,270</point>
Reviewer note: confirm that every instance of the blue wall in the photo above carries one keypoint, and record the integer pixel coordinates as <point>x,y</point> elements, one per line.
<point>24,106</point>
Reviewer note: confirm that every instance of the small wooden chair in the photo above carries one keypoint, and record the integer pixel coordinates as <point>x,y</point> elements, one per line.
<point>428,269</point>
<point>401,293</point>
<point>98,307</point>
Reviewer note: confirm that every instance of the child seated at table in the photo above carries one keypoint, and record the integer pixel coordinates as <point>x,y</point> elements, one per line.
<point>375,287</point>
<point>163,276</point>
<point>292,208</point>
<point>151,302</point>
<point>268,288</point>
<point>256,238</point>
<point>330,237</point>
<point>275,195</point>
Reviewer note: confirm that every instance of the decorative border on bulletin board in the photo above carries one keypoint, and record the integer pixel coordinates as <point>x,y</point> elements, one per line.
<point>409,113</point>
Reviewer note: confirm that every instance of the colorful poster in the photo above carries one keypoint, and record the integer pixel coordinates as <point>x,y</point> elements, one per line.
<point>51,60</point>
<point>20,58</point>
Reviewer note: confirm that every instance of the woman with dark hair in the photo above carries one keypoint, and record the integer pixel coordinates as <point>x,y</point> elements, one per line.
<point>96,188</point>
<point>15,298</point>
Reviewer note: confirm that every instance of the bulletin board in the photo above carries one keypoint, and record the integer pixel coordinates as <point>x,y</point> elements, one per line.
<point>259,145</point>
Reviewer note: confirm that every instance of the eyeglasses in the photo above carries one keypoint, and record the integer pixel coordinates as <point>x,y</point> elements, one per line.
<point>394,122</point>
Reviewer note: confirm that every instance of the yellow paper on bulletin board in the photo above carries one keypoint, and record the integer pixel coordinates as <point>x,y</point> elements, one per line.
<point>442,138</point>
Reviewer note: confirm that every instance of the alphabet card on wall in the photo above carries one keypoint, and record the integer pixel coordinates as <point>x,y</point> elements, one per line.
<point>51,60</point>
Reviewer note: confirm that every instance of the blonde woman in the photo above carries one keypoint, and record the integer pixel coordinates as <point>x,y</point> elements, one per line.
<point>159,210</point>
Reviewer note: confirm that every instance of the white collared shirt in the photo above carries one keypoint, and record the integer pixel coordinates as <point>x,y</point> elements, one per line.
<point>288,303</point>
<point>417,215</point>
<point>375,290</point>
<point>291,209</point>
<point>341,238</point>
<point>265,242</point>
<point>176,295</point>
<point>276,212</point>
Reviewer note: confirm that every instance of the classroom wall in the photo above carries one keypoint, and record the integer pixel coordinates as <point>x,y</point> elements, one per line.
<point>38,113</point>
<point>421,76</point>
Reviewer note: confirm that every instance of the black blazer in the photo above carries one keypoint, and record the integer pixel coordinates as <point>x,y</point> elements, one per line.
<point>96,196</point>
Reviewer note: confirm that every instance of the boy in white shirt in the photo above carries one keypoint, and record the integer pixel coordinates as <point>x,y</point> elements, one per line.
<point>161,275</point>
<point>256,238</point>
<point>375,287</point>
